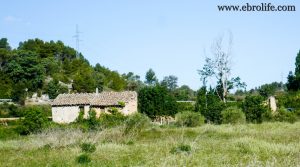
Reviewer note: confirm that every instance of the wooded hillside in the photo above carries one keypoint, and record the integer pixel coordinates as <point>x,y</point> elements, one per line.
<point>47,67</point>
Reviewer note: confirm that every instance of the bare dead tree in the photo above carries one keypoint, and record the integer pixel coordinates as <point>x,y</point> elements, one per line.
<point>220,66</point>
<point>223,63</point>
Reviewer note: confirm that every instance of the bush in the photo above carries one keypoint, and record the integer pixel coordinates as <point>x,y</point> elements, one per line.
<point>90,123</point>
<point>84,158</point>
<point>46,109</point>
<point>181,148</point>
<point>34,120</point>
<point>88,147</point>
<point>289,100</point>
<point>9,110</point>
<point>254,109</point>
<point>185,106</point>
<point>233,115</point>
<point>113,110</point>
<point>297,112</point>
<point>111,120</point>
<point>80,118</point>
<point>92,120</point>
<point>209,105</point>
<point>156,101</point>
<point>121,103</point>
<point>268,116</point>
<point>135,123</point>
<point>285,116</point>
<point>8,132</point>
<point>189,119</point>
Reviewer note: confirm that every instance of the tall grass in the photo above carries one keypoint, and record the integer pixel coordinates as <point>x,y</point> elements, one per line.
<point>266,144</point>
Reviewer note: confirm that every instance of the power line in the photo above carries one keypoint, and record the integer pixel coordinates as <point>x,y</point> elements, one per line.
<point>77,38</point>
<point>281,84</point>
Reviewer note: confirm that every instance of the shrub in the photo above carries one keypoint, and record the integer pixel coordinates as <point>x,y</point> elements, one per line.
<point>80,118</point>
<point>113,110</point>
<point>111,120</point>
<point>156,101</point>
<point>233,115</point>
<point>189,119</point>
<point>285,116</point>
<point>46,109</point>
<point>181,148</point>
<point>9,110</point>
<point>253,108</point>
<point>92,120</point>
<point>84,158</point>
<point>297,112</point>
<point>185,106</point>
<point>121,103</point>
<point>268,116</point>
<point>289,100</point>
<point>135,123</point>
<point>88,147</point>
<point>91,123</point>
<point>130,142</point>
<point>34,120</point>
<point>8,132</point>
<point>209,105</point>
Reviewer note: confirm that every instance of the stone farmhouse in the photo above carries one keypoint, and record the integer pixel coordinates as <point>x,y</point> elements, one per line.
<point>66,107</point>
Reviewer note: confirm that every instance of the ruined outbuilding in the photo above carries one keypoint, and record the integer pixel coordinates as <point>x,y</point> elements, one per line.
<point>66,107</point>
<point>272,103</point>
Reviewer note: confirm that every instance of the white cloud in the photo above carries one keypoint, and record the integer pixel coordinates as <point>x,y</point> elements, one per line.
<point>12,19</point>
<point>15,20</point>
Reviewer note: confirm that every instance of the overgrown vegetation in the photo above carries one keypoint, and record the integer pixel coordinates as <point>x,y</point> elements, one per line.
<point>285,116</point>
<point>111,120</point>
<point>8,132</point>
<point>34,120</point>
<point>136,123</point>
<point>83,158</point>
<point>233,115</point>
<point>182,148</point>
<point>274,144</point>
<point>209,105</point>
<point>189,119</point>
<point>9,110</point>
<point>254,108</point>
<point>88,147</point>
<point>156,101</point>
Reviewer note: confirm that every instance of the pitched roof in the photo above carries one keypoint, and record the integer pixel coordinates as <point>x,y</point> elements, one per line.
<point>94,99</point>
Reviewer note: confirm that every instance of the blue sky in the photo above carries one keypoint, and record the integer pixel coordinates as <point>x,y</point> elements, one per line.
<point>168,36</point>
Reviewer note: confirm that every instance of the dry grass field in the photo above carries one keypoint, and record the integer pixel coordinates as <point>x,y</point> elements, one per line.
<point>267,144</point>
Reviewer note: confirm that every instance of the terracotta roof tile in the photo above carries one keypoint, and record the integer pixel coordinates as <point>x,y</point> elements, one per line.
<point>100,99</point>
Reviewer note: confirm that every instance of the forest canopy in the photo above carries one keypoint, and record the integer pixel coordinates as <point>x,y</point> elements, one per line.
<point>46,67</point>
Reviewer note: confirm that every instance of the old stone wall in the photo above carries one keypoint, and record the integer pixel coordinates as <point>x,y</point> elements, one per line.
<point>65,114</point>
<point>99,111</point>
<point>272,103</point>
<point>86,110</point>
<point>130,107</point>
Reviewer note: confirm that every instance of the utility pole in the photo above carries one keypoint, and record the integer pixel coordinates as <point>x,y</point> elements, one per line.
<point>77,38</point>
<point>281,85</point>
